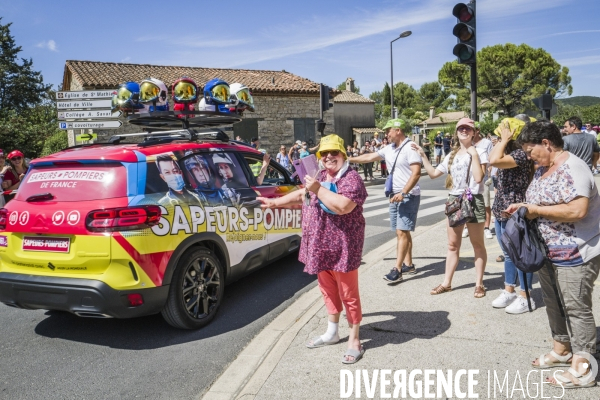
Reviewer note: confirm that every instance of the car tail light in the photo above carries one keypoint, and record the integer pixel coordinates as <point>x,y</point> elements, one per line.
<point>122,219</point>
<point>3,215</point>
<point>135,299</point>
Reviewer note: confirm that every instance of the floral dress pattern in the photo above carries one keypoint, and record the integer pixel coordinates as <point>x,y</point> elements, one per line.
<point>557,188</point>
<point>512,184</point>
<point>334,242</point>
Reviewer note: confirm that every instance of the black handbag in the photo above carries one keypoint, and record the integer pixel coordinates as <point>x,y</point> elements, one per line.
<point>460,210</point>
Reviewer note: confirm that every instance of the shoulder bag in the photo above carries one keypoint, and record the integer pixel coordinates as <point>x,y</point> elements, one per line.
<point>389,181</point>
<point>525,246</point>
<point>460,210</point>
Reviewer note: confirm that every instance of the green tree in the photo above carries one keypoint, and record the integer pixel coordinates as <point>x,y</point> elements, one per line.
<point>404,96</point>
<point>508,78</point>
<point>55,143</point>
<point>386,94</point>
<point>20,86</point>
<point>432,94</point>
<point>591,114</point>
<point>28,113</point>
<point>342,86</point>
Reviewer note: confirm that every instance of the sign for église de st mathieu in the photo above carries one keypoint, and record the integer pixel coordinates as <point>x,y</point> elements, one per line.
<point>86,94</point>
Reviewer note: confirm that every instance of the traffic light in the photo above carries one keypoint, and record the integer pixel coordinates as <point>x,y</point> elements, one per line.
<point>324,94</point>
<point>464,30</point>
<point>544,103</point>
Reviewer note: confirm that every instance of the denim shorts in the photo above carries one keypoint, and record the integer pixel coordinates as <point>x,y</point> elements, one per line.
<point>403,215</point>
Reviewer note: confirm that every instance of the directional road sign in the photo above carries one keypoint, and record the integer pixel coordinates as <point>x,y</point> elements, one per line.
<point>86,136</point>
<point>90,125</point>
<point>91,114</point>
<point>77,104</point>
<point>86,94</point>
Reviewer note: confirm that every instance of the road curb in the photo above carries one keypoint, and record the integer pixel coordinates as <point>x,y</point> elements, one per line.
<point>246,375</point>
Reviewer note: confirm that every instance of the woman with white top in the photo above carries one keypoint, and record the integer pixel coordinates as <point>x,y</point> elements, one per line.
<point>456,165</point>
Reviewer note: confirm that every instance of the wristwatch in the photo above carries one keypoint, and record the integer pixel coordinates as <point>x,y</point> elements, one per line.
<point>403,194</point>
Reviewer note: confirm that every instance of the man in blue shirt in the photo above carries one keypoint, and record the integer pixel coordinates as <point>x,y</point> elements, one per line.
<point>447,144</point>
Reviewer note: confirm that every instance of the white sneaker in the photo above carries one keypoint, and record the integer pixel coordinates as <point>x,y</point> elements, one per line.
<point>519,306</point>
<point>488,234</point>
<point>465,233</point>
<point>504,299</point>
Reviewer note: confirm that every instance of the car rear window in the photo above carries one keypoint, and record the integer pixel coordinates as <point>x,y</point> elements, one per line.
<point>75,182</point>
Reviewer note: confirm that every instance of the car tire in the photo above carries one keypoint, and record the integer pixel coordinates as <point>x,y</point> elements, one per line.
<point>196,290</point>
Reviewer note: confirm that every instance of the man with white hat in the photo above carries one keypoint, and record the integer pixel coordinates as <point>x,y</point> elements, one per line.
<point>404,166</point>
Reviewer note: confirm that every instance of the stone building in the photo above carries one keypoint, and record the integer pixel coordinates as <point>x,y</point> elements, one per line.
<point>354,115</point>
<point>440,121</point>
<point>287,105</point>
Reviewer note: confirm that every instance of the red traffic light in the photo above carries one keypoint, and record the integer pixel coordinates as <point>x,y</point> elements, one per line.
<point>463,12</point>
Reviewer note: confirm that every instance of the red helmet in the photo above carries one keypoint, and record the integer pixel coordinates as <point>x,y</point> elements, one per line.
<point>15,153</point>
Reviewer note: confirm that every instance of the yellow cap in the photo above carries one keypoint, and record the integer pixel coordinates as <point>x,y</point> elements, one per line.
<point>332,142</point>
<point>513,124</point>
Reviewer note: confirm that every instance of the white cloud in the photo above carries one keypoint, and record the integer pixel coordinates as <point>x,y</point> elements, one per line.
<point>579,61</point>
<point>573,32</point>
<point>126,59</point>
<point>50,45</point>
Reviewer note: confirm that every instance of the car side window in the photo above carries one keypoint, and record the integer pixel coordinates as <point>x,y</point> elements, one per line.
<point>274,176</point>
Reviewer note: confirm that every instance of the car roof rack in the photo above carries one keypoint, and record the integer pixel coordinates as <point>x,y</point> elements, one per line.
<point>176,125</point>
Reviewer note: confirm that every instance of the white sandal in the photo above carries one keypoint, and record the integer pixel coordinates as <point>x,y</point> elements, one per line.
<point>566,383</point>
<point>544,362</point>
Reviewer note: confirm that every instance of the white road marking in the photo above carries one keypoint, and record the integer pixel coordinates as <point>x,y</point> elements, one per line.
<point>386,210</point>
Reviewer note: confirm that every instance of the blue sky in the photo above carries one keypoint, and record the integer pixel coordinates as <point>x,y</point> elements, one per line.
<point>325,41</point>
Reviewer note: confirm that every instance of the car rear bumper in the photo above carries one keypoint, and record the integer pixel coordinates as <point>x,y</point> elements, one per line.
<point>84,297</point>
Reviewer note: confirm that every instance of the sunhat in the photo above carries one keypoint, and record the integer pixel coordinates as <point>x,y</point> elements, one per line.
<point>332,142</point>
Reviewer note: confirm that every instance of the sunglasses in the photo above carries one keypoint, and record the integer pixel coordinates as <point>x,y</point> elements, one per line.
<point>17,158</point>
<point>334,153</point>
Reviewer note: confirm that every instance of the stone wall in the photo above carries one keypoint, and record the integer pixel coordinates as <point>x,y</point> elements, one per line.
<point>277,114</point>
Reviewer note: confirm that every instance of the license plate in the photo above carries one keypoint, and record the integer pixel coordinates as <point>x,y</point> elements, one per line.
<point>51,244</point>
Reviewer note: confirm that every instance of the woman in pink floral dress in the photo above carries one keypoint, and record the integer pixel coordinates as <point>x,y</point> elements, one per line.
<point>333,233</point>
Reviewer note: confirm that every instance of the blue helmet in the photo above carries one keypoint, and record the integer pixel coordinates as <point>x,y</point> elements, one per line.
<point>216,91</point>
<point>127,97</point>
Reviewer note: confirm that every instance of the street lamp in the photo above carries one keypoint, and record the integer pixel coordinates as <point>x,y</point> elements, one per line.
<point>402,35</point>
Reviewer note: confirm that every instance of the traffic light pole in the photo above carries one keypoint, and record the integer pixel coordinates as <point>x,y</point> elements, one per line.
<point>474,92</point>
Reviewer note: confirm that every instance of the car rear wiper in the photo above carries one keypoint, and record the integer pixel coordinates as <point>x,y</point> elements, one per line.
<point>40,197</point>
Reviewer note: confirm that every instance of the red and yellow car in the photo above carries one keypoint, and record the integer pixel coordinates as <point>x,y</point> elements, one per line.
<point>125,230</point>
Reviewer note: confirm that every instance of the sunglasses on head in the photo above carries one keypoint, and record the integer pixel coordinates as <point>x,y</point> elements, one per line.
<point>334,153</point>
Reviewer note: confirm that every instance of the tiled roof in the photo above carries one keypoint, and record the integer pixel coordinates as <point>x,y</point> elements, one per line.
<point>347,96</point>
<point>367,130</point>
<point>107,75</point>
<point>446,117</point>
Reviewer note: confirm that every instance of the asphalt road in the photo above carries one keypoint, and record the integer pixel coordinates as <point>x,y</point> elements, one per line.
<point>55,355</point>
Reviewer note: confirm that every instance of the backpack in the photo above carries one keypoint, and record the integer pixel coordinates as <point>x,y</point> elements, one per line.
<point>523,243</point>
<point>526,248</point>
